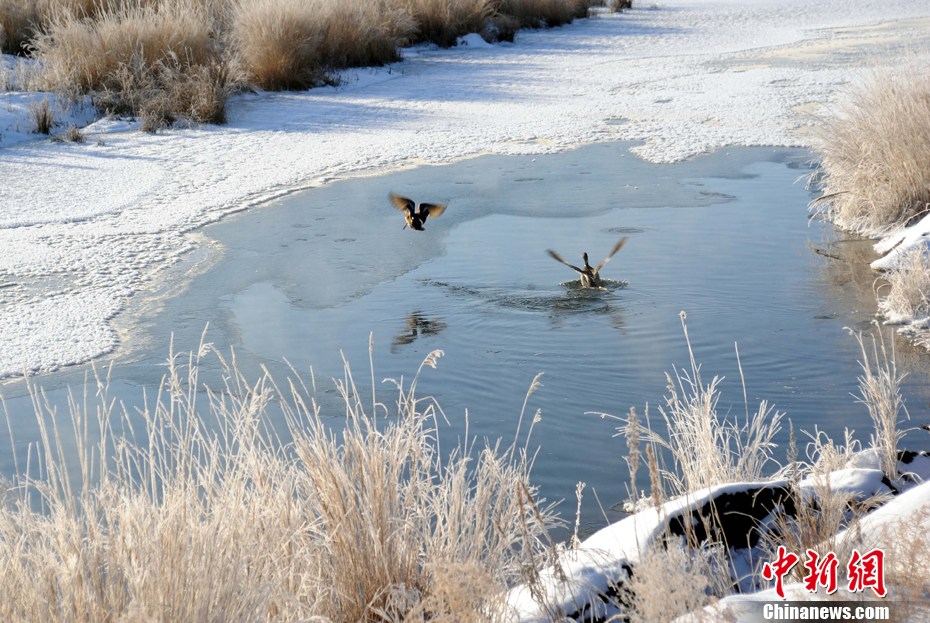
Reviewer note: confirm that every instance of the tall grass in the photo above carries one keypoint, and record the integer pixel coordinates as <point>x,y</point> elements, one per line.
<point>875,155</point>
<point>670,580</point>
<point>279,42</point>
<point>85,54</point>
<point>198,512</point>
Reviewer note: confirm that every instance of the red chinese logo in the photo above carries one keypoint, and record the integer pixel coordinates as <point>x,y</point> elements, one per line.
<point>863,571</point>
<point>867,571</point>
<point>820,573</point>
<point>782,565</point>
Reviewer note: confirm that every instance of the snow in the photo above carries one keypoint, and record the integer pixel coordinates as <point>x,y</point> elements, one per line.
<point>587,571</point>
<point>98,222</point>
<point>850,483</point>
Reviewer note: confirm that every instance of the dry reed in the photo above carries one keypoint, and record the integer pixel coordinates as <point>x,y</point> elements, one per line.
<point>670,580</point>
<point>543,13</point>
<point>197,512</point>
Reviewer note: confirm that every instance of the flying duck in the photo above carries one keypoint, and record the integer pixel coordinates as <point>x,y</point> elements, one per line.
<point>414,217</point>
<point>589,275</point>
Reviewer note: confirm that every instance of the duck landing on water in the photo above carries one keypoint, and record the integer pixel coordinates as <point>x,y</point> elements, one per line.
<point>414,217</point>
<point>590,277</point>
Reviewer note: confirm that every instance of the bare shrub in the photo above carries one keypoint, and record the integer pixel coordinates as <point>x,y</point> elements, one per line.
<point>617,6</point>
<point>72,134</point>
<point>874,155</point>
<point>199,513</point>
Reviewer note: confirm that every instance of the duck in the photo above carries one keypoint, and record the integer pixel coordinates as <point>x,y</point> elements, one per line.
<point>590,276</point>
<point>416,217</point>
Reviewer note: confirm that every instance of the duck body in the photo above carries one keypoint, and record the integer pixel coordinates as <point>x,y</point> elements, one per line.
<point>589,277</point>
<point>415,216</point>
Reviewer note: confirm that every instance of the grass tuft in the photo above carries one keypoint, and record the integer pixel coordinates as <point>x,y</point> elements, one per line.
<point>43,119</point>
<point>279,42</point>
<point>543,13</point>
<point>880,392</point>
<point>908,293</point>
<point>669,580</point>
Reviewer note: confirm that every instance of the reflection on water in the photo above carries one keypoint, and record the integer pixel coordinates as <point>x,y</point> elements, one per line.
<point>417,325</point>
<point>724,237</point>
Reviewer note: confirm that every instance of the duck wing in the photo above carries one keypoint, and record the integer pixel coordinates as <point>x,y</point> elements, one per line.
<point>612,252</point>
<point>558,258</point>
<point>431,209</point>
<point>402,203</point>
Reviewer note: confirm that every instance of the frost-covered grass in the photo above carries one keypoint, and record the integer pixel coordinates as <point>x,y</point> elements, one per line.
<point>880,392</point>
<point>161,58</point>
<point>199,508</point>
<point>197,512</point>
<point>154,60</point>
<point>874,155</point>
<point>875,172</point>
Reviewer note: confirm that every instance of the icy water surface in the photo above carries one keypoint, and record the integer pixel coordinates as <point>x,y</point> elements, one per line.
<point>724,237</point>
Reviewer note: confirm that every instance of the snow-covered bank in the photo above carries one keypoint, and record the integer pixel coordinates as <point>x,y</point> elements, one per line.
<point>596,581</point>
<point>86,226</point>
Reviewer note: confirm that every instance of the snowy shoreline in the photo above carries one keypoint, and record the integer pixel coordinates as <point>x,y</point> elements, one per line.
<point>84,227</point>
